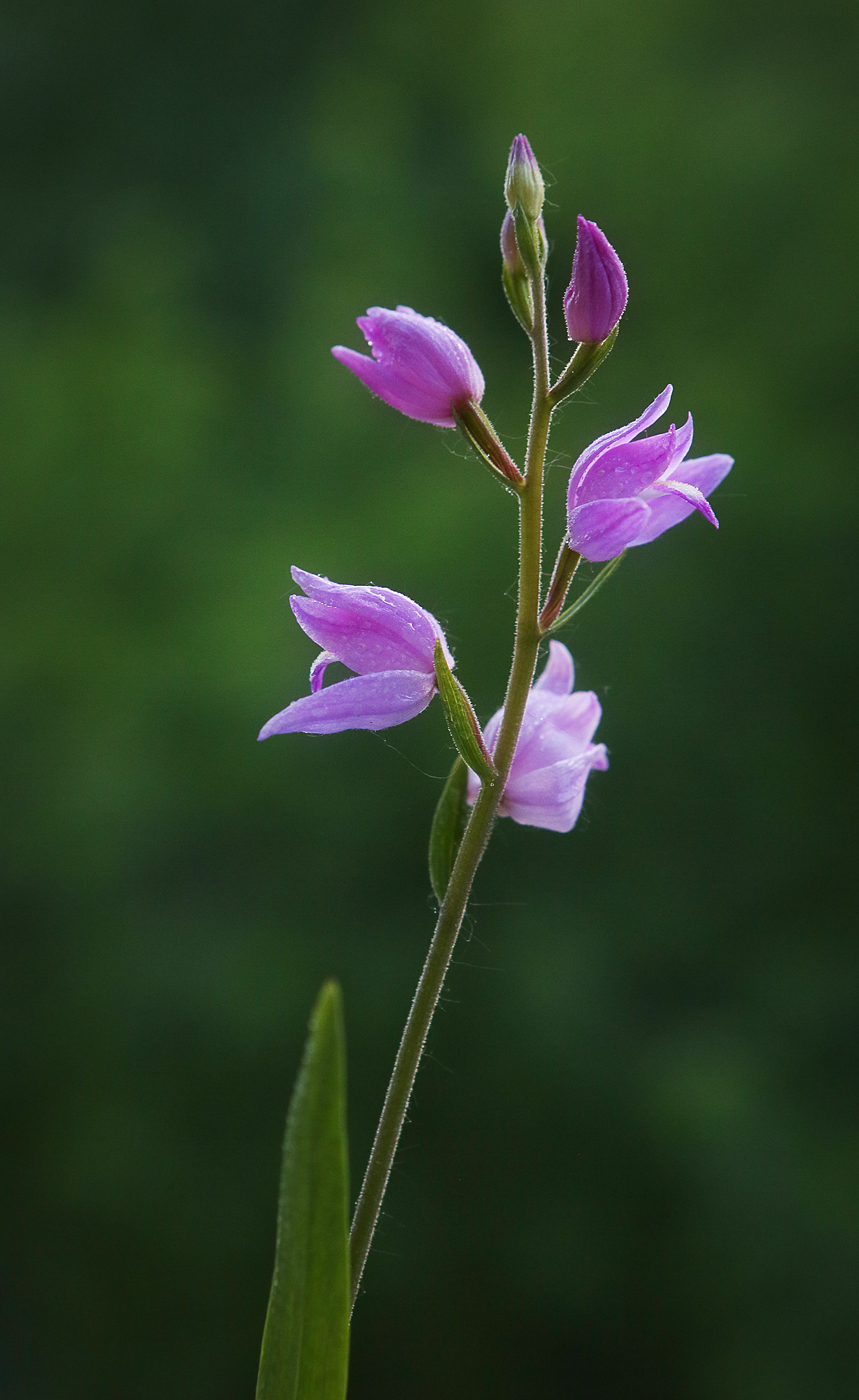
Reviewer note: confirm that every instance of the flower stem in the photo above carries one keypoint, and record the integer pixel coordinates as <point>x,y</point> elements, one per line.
<point>479,827</point>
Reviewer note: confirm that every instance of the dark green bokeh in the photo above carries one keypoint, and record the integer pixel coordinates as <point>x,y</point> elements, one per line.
<point>631,1167</point>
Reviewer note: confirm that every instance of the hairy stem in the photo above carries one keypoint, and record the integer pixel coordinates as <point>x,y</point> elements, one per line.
<point>479,826</point>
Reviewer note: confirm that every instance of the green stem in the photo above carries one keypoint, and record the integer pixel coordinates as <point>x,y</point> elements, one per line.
<point>479,826</point>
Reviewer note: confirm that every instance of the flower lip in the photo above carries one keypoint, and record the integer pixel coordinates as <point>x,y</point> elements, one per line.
<point>418,365</point>
<point>554,754</point>
<point>383,636</point>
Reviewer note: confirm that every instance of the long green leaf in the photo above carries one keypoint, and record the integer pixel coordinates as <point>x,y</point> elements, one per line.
<point>448,824</point>
<point>305,1345</point>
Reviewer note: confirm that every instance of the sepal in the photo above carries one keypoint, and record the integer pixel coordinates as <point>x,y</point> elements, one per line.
<point>462,721</point>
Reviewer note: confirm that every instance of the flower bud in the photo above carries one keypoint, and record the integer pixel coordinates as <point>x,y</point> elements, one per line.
<point>524,183</point>
<point>510,248</point>
<point>595,299</point>
<point>418,365</point>
<point>514,275</point>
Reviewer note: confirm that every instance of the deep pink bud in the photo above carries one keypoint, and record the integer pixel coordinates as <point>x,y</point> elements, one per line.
<point>419,366</point>
<point>627,490</point>
<point>523,182</point>
<point>596,297</point>
<point>383,636</point>
<point>554,753</point>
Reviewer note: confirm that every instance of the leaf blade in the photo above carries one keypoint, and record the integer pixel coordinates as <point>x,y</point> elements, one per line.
<point>305,1346</point>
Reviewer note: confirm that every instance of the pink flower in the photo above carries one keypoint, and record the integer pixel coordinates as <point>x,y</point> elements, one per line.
<point>624,492</point>
<point>383,636</point>
<point>595,299</point>
<point>554,755</point>
<point>419,366</point>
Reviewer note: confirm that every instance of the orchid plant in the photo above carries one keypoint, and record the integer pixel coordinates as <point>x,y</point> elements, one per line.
<point>530,761</point>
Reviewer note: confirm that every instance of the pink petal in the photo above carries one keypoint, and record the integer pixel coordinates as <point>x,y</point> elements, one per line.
<point>367,628</point>
<point>552,797</point>
<point>595,299</point>
<point>559,673</point>
<point>603,529</point>
<point>414,400</point>
<point>626,434</point>
<point>555,727</point>
<point>419,366</point>
<point>362,702</point>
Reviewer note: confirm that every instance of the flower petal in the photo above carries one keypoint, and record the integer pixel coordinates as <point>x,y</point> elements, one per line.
<point>376,701</point>
<point>444,351</point>
<point>626,434</point>
<point>558,675</point>
<point>367,628</point>
<point>603,529</point>
<point>552,797</point>
<point>555,727</point>
<point>415,401</point>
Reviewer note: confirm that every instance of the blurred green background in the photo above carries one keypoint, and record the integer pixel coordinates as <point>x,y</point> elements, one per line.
<point>632,1164</point>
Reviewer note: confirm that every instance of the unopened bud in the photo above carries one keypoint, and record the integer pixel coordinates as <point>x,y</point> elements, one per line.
<point>524,183</point>
<point>595,299</point>
<point>510,248</point>
<point>514,275</point>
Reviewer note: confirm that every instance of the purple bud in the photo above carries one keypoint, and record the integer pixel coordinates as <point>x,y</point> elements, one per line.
<point>595,299</point>
<point>510,248</point>
<point>554,753</point>
<point>383,636</point>
<point>419,366</point>
<point>625,492</point>
<point>523,182</point>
